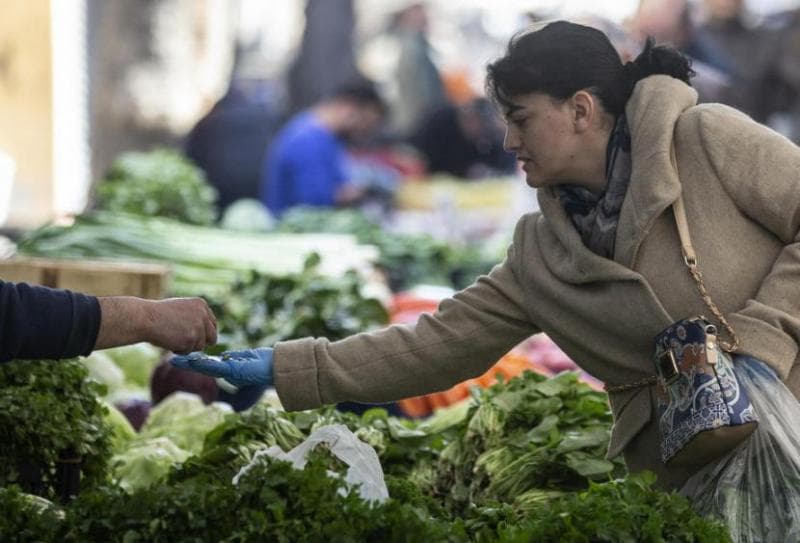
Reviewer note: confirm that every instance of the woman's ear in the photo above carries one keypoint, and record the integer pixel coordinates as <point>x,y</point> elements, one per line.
<point>585,110</point>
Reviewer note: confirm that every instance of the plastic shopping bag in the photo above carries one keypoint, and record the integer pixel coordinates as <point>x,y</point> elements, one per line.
<point>364,468</point>
<point>755,488</point>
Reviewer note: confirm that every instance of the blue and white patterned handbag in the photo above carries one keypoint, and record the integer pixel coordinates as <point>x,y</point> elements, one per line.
<point>703,410</point>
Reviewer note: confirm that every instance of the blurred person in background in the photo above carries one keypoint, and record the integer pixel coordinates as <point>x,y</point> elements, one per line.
<point>229,142</point>
<point>464,140</point>
<point>785,115</point>
<point>308,162</point>
<point>670,22</point>
<point>326,58</point>
<point>750,56</point>
<point>418,88</point>
<point>40,322</point>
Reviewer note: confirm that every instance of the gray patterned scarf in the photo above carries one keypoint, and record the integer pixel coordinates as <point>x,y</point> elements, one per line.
<point>596,216</point>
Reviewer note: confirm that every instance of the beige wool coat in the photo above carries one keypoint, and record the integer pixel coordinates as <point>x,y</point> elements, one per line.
<point>741,186</point>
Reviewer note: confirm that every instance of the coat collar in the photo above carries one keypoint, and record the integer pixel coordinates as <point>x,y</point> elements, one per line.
<point>652,112</point>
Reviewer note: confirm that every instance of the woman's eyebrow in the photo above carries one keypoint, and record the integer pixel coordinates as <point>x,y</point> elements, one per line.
<point>511,109</point>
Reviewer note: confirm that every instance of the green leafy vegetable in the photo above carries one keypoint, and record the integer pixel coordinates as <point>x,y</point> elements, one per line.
<point>120,429</point>
<point>531,433</point>
<point>136,361</point>
<point>247,215</point>
<point>27,518</point>
<point>184,419</point>
<point>265,309</point>
<point>204,260</point>
<point>274,502</point>
<point>104,370</point>
<point>625,510</point>
<point>160,183</point>
<point>408,260</point>
<point>50,411</point>
<point>147,462</point>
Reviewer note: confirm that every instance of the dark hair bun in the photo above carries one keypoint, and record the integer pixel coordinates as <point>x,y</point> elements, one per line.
<point>658,59</point>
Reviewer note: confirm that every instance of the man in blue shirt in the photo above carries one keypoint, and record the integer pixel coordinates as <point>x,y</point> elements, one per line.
<point>307,162</point>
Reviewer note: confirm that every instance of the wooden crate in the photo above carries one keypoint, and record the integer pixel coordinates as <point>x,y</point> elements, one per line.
<point>90,277</point>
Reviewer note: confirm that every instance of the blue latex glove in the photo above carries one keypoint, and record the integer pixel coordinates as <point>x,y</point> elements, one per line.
<point>239,368</point>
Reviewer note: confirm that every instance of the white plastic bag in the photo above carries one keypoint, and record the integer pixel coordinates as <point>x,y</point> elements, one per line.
<point>755,488</point>
<point>364,469</point>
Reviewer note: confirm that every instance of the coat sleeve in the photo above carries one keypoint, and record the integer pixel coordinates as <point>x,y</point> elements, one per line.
<point>462,339</point>
<point>40,322</point>
<point>760,170</point>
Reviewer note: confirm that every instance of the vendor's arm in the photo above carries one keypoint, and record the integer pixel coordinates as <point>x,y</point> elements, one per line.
<point>39,322</point>
<point>467,334</point>
<point>760,170</point>
<point>176,324</point>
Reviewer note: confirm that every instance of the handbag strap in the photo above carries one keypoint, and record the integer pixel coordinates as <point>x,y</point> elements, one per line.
<point>690,259</point>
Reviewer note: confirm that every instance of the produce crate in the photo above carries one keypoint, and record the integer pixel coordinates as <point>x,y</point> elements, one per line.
<point>97,278</point>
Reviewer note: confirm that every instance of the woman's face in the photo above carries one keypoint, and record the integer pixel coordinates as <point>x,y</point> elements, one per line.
<point>540,130</point>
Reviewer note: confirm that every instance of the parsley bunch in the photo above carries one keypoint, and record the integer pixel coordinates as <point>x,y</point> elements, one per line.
<point>624,510</point>
<point>50,409</point>
<point>24,517</point>
<point>274,502</point>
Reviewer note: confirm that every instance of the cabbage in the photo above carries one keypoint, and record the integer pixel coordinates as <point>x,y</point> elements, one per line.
<point>103,369</point>
<point>146,463</point>
<point>184,419</point>
<point>248,215</point>
<point>136,362</point>
<point>128,393</point>
<point>122,432</point>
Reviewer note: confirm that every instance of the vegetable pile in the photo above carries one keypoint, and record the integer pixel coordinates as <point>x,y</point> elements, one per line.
<point>522,462</point>
<point>526,441</point>
<point>205,261</point>
<point>408,260</point>
<point>264,309</point>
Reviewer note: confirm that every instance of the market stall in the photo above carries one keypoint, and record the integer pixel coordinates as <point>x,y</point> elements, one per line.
<point>140,452</point>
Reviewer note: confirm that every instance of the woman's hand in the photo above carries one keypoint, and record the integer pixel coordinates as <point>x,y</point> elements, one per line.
<point>239,368</point>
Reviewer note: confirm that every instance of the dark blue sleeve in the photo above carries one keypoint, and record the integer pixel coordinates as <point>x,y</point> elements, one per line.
<point>40,322</point>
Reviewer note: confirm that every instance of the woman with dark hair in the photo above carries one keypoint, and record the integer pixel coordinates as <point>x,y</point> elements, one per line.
<point>611,147</point>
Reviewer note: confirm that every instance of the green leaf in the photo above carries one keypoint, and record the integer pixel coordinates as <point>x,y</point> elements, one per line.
<point>508,401</point>
<point>584,439</point>
<point>588,465</point>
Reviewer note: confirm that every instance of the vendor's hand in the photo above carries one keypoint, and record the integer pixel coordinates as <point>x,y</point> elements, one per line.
<point>181,325</point>
<point>240,368</point>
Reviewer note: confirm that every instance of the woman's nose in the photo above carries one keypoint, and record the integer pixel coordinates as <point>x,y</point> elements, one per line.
<point>510,140</point>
